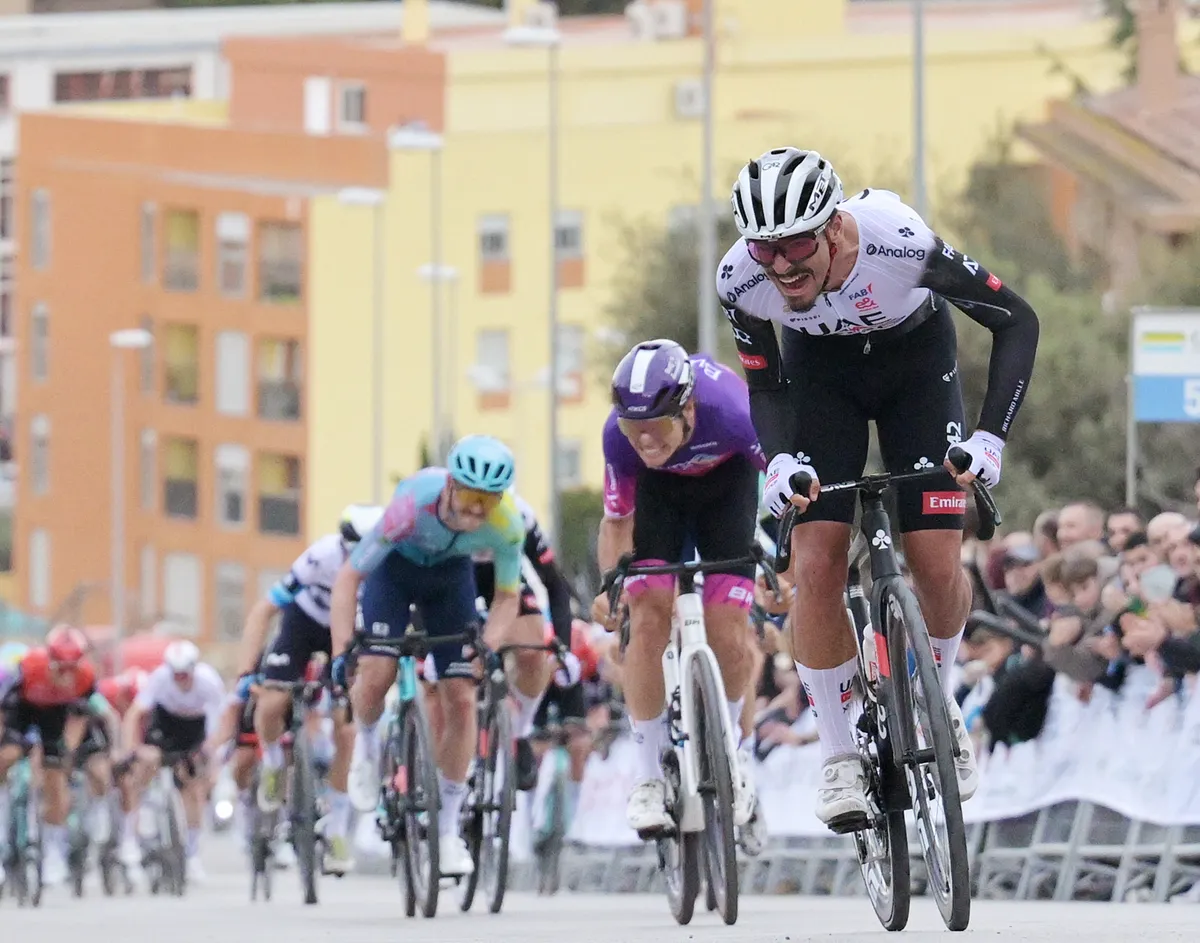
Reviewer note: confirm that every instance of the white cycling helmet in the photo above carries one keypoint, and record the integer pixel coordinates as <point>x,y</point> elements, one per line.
<point>358,520</point>
<point>181,657</point>
<point>785,192</point>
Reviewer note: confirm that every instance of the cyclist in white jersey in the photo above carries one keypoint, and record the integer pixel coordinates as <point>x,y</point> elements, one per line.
<point>302,599</point>
<point>860,287</point>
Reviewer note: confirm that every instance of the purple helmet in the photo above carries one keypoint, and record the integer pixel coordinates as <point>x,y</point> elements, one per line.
<point>654,379</point>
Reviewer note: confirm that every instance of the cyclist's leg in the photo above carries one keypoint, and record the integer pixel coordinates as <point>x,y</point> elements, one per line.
<point>659,532</point>
<point>283,664</point>
<point>385,601</point>
<point>923,418</point>
<point>573,709</point>
<point>244,760</point>
<point>10,754</point>
<point>95,759</point>
<point>341,813</point>
<point>827,376</point>
<point>447,604</point>
<point>56,796</point>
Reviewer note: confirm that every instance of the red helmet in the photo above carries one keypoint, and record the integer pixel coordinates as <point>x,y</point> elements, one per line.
<point>66,645</point>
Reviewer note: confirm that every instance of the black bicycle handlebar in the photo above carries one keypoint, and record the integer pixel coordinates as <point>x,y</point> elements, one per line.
<point>801,483</point>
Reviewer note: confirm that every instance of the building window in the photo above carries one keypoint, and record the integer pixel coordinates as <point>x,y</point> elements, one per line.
<point>568,235</point>
<point>352,107</point>
<point>280,261</point>
<point>148,469</point>
<point>122,84</point>
<point>39,455</point>
<point>233,237</point>
<point>233,373</point>
<point>233,474</point>
<point>146,357</point>
<point>39,235</point>
<point>39,569</point>
<point>182,591</point>
<point>6,296</point>
<point>278,494</point>
<point>279,379</point>
<point>39,343</point>
<point>493,238</point>
<point>181,364</point>
<point>149,581</point>
<point>570,464</point>
<point>230,601</point>
<point>6,198</point>
<point>5,103</point>
<point>148,229</point>
<point>491,372</point>
<point>181,462</point>
<point>570,361</point>
<point>181,267</point>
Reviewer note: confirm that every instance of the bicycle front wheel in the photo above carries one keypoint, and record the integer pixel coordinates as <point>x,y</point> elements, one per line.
<point>304,815</point>
<point>421,806</point>
<point>175,841</point>
<point>500,798</point>
<point>929,764</point>
<point>716,787</point>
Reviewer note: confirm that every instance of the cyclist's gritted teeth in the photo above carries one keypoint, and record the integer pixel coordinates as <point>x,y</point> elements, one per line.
<point>794,283</point>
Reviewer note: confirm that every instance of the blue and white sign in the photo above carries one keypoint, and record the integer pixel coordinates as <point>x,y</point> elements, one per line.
<point>1166,366</point>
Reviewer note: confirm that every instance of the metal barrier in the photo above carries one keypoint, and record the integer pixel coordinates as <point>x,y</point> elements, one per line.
<point>1070,851</point>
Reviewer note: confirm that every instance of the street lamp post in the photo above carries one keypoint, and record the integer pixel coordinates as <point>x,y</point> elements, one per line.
<point>131,339</point>
<point>376,200</point>
<point>440,275</point>
<point>549,39</point>
<point>919,196</point>
<point>417,137</point>
<point>706,301</point>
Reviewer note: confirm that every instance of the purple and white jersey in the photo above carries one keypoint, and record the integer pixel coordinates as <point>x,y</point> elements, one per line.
<point>723,429</point>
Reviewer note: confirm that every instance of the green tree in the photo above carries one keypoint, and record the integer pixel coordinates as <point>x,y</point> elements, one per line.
<point>581,511</point>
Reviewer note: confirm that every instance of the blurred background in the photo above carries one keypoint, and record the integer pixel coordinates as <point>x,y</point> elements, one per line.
<point>261,261</point>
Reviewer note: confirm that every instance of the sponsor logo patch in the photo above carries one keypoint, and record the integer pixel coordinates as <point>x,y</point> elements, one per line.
<point>895,252</point>
<point>752,361</point>
<point>993,283</point>
<point>944,502</point>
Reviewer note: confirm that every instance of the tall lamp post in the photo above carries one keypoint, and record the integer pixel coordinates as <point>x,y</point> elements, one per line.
<point>376,200</point>
<point>119,341</point>
<point>445,378</point>
<point>417,137</point>
<point>549,39</point>
<point>706,302</point>
<point>920,198</point>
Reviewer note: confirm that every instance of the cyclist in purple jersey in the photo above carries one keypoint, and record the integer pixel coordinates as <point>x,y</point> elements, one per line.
<point>681,468</point>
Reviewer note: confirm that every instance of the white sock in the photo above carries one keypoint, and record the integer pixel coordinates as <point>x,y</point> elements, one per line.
<point>453,795</point>
<point>272,754</point>
<point>735,717</point>
<point>367,737</point>
<point>830,694</point>
<point>129,822</point>
<point>56,837</point>
<point>339,813</point>
<point>526,710</point>
<point>650,737</point>
<point>945,651</point>
<point>193,842</point>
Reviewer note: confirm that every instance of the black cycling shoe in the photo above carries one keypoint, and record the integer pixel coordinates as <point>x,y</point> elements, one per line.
<point>526,766</point>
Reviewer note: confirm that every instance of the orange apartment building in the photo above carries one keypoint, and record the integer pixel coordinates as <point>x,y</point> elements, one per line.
<point>197,233</point>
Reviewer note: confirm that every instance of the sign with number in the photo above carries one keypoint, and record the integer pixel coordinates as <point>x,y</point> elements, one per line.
<point>1166,366</point>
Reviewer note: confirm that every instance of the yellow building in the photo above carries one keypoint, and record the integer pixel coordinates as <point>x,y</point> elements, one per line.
<point>329,136</point>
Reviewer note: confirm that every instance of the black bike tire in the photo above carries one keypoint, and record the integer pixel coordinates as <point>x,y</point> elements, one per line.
<point>472,821</point>
<point>304,820</point>
<point>683,881</point>
<point>500,742</point>
<point>33,844</point>
<point>955,907</point>
<point>177,849</point>
<point>422,771</point>
<point>716,768</point>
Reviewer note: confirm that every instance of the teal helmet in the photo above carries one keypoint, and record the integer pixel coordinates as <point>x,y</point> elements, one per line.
<point>481,462</point>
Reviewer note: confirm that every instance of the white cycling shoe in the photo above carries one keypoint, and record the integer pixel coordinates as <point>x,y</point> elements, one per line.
<point>964,763</point>
<point>842,798</point>
<point>647,808</point>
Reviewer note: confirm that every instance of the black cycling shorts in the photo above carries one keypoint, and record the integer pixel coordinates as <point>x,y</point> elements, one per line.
<point>567,704</point>
<point>713,512</point>
<point>20,717</point>
<point>300,636</point>
<point>909,386</point>
<point>485,587</point>
<point>174,734</point>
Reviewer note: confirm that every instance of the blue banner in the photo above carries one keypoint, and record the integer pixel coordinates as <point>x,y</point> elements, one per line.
<point>1167,399</point>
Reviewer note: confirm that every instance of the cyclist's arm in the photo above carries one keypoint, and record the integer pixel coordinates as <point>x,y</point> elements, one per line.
<point>132,735</point>
<point>614,541</point>
<point>1014,326</point>
<point>505,602</point>
<point>558,592</point>
<point>398,520</point>
<point>770,408</point>
<point>343,607</point>
<point>620,489</point>
<point>103,711</point>
<point>258,627</point>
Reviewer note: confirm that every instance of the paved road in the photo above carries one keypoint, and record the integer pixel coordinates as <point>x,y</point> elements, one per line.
<point>366,909</point>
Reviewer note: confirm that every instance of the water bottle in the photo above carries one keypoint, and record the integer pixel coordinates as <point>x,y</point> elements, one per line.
<point>870,654</point>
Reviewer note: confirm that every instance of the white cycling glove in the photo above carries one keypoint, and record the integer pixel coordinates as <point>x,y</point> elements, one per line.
<point>985,450</point>
<point>571,671</point>
<point>778,488</point>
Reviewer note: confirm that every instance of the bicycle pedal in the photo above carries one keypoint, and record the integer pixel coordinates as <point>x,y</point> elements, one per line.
<point>656,834</point>
<point>848,823</point>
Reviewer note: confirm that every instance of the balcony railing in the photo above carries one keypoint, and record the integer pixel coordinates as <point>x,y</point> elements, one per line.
<point>182,270</point>
<point>279,280</point>
<point>278,399</point>
<point>180,497</point>
<point>279,513</point>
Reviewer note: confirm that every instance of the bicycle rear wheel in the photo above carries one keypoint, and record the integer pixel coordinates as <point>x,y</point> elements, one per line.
<point>421,805</point>
<point>474,807</point>
<point>500,798</point>
<point>175,847</point>
<point>679,855</point>
<point>932,777</point>
<point>304,815</point>
<point>715,786</point>
<point>31,855</point>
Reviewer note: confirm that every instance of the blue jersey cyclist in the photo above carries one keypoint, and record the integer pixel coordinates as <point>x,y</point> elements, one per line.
<point>420,553</point>
<point>681,471</point>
